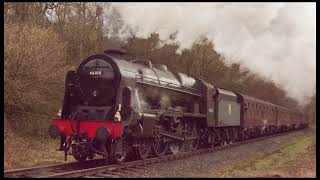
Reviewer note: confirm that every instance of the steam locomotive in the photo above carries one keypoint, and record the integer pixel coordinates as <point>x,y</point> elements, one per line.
<point>124,110</point>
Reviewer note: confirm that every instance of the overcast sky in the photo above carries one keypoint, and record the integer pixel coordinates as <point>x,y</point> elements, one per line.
<point>275,40</point>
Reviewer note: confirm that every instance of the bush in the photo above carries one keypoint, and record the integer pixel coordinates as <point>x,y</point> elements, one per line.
<point>34,71</point>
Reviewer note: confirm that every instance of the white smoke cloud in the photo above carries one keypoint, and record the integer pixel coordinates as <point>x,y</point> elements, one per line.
<point>275,40</point>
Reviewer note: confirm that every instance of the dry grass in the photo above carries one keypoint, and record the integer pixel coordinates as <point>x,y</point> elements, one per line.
<point>22,152</point>
<point>296,159</point>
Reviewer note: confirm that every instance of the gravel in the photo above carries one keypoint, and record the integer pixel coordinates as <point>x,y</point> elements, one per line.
<point>209,162</point>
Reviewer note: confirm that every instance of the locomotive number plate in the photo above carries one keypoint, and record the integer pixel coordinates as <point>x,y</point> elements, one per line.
<point>95,72</point>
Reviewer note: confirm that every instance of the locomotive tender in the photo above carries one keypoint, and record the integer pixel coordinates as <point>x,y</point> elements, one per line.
<point>134,109</point>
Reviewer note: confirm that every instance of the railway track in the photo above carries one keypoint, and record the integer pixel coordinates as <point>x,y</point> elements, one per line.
<point>97,167</point>
<point>55,168</point>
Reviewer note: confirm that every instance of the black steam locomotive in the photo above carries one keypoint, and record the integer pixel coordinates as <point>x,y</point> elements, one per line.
<point>124,109</point>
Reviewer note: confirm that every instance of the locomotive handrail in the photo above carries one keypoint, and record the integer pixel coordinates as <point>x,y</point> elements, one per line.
<point>71,121</point>
<point>186,114</point>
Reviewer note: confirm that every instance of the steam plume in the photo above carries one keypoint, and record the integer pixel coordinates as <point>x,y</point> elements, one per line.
<point>275,40</point>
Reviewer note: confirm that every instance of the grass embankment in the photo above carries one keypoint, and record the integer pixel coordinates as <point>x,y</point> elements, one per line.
<point>29,151</point>
<point>295,159</point>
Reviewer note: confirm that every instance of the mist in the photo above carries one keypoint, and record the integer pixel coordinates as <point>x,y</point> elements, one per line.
<point>275,40</point>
